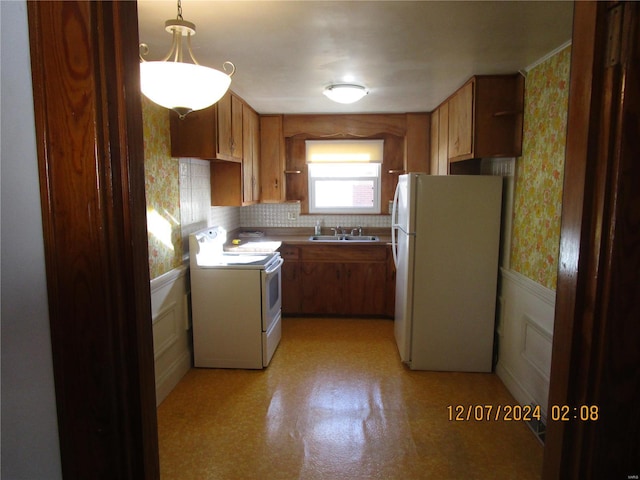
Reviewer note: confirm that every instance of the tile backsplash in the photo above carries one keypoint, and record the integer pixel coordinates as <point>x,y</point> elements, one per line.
<point>288,215</point>
<point>195,198</point>
<point>226,217</point>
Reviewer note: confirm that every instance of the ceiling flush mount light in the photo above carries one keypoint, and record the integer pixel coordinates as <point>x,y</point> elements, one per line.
<point>345,93</point>
<point>178,85</point>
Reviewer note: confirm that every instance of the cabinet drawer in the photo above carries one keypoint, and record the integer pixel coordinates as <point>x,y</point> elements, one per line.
<point>344,253</point>
<point>289,252</point>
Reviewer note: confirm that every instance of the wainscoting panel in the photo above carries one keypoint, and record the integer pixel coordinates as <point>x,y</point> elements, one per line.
<point>525,335</point>
<point>171,335</point>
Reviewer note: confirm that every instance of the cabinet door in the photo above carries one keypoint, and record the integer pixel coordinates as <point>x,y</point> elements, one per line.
<point>271,159</point>
<point>365,288</point>
<point>322,287</point>
<point>435,132</point>
<point>224,125</point>
<point>230,127</point>
<point>250,149</point>
<point>291,283</point>
<point>291,288</point>
<point>443,139</point>
<point>255,162</point>
<point>236,127</point>
<point>461,122</point>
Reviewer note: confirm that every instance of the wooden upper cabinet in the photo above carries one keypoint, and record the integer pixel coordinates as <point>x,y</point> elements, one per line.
<point>272,159</point>
<point>233,183</point>
<point>485,118</point>
<point>212,133</point>
<point>217,133</point>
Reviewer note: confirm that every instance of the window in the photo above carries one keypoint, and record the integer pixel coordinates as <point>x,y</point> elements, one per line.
<point>344,176</point>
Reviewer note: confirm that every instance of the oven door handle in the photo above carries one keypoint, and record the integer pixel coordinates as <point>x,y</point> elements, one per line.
<point>275,266</point>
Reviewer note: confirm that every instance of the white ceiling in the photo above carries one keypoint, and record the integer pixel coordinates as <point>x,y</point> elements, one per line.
<point>411,55</point>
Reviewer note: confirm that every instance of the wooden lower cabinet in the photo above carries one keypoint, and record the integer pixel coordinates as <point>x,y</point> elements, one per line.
<point>365,285</point>
<point>336,280</point>
<point>323,287</point>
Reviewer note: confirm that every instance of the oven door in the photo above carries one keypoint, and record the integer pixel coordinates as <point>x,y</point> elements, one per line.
<point>271,293</point>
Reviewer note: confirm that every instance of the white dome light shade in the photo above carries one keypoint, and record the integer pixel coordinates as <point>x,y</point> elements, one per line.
<point>345,93</point>
<point>183,87</point>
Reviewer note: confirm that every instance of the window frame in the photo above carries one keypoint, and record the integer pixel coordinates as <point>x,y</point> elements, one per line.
<point>375,209</point>
<point>344,152</point>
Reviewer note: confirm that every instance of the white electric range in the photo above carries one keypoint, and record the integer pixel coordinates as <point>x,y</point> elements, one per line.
<point>236,303</point>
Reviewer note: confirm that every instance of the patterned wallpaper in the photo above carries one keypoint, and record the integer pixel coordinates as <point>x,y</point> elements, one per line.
<point>539,172</point>
<point>163,191</point>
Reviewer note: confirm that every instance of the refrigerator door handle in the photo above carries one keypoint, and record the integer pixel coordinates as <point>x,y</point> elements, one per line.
<point>394,207</point>
<point>394,247</point>
<point>394,225</point>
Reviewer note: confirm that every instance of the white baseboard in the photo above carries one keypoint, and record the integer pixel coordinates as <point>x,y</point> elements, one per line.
<point>169,378</point>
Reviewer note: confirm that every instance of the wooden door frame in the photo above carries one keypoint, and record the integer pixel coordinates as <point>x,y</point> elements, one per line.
<point>88,120</point>
<point>90,153</point>
<point>596,354</point>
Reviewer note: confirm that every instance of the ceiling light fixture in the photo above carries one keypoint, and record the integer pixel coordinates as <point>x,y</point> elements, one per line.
<point>345,93</point>
<point>178,85</point>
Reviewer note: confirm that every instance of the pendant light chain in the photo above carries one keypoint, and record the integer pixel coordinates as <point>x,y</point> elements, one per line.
<point>179,17</point>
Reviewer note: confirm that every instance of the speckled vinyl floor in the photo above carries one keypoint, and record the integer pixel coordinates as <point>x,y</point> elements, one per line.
<point>336,403</point>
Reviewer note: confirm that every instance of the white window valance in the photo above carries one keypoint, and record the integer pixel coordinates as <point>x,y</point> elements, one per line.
<point>344,151</point>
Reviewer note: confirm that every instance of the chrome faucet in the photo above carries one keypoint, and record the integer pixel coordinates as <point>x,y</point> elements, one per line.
<point>357,230</point>
<point>338,231</point>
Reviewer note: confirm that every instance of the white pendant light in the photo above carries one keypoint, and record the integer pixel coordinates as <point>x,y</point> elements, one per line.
<point>345,93</point>
<point>177,85</point>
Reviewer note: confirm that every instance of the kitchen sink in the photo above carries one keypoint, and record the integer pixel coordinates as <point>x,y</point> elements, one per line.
<point>325,238</point>
<point>343,238</point>
<point>360,238</point>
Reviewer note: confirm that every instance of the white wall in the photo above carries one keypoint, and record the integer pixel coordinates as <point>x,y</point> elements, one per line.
<point>30,448</point>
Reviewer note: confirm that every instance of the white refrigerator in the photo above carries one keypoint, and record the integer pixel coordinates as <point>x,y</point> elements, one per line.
<point>446,240</point>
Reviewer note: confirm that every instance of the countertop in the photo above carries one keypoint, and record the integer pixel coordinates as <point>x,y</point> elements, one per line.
<point>274,237</point>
